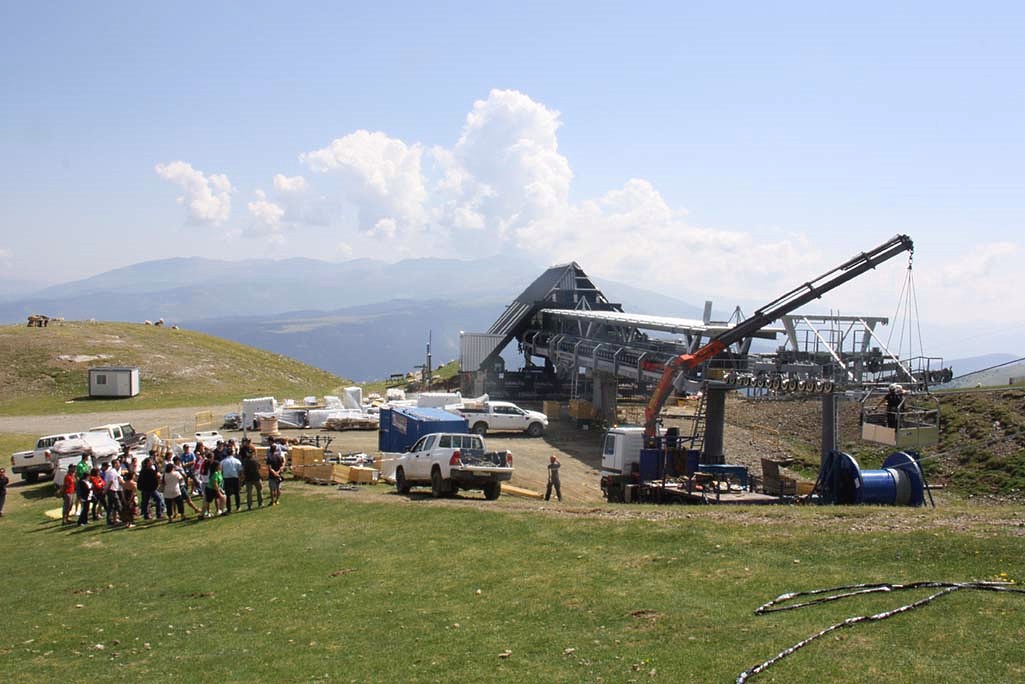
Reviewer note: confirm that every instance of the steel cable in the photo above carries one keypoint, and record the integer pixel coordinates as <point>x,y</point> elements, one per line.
<point>780,604</point>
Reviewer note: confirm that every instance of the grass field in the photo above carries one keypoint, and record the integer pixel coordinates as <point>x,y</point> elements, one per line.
<point>364,586</point>
<point>177,368</point>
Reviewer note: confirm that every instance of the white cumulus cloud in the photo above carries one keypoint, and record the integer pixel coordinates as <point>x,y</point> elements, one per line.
<point>979,284</point>
<point>267,214</point>
<point>283,183</point>
<point>382,177</point>
<point>207,198</point>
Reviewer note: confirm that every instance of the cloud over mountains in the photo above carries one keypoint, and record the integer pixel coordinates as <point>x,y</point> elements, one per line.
<point>505,187</point>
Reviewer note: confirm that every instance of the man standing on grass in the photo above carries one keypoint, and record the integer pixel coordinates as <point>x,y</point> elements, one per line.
<point>553,479</point>
<point>231,468</point>
<point>84,489</point>
<point>251,472</point>
<point>275,464</point>
<point>113,483</point>
<point>68,495</point>
<point>3,490</point>
<point>188,461</point>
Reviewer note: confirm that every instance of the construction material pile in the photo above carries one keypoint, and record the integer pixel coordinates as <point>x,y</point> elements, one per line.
<point>311,464</point>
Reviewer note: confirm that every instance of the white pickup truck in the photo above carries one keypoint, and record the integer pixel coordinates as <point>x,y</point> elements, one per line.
<point>502,415</point>
<point>449,462</point>
<point>31,464</point>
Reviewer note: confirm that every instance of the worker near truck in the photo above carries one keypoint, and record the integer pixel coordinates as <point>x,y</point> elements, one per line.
<point>553,478</point>
<point>3,490</point>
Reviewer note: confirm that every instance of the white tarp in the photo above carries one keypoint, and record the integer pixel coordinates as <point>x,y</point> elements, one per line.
<point>319,417</point>
<point>251,407</point>
<point>395,394</point>
<point>352,398</point>
<point>438,399</point>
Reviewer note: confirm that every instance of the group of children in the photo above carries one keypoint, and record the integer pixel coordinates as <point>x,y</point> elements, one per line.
<point>123,489</point>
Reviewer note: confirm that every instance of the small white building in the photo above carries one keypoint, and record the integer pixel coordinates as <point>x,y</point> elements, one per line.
<point>113,381</point>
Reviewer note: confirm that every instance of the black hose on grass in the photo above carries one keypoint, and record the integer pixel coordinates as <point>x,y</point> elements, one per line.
<point>780,603</point>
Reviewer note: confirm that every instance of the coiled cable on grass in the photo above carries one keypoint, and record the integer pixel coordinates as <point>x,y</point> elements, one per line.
<point>781,603</point>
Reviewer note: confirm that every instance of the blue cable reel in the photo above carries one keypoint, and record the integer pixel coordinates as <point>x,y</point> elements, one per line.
<point>900,482</point>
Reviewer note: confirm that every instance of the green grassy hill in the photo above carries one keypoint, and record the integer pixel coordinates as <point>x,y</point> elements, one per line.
<point>44,370</point>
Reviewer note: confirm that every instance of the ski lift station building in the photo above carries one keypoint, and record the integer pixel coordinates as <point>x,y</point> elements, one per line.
<point>113,381</point>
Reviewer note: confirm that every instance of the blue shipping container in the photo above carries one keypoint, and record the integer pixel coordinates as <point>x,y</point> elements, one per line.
<point>401,427</point>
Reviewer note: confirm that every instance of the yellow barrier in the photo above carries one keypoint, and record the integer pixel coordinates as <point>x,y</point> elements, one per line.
<point>160,432</point>
<point>205,420</point>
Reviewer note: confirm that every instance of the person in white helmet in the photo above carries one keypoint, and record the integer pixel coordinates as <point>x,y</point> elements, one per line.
<point>894,401</point>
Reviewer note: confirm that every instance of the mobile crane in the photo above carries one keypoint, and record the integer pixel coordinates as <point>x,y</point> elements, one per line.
<point>616,464</point>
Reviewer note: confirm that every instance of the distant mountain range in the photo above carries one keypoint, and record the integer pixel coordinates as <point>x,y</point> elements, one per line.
<point>990,370</point>
<point>362,319</point>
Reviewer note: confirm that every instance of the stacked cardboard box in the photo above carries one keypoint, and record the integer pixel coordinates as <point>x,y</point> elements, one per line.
<point>362,475</point>
<point>552,409</point>
<point>581,409</point>
<point>305,455</point>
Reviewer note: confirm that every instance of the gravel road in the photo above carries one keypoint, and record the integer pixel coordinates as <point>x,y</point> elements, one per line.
<point>143,419</point>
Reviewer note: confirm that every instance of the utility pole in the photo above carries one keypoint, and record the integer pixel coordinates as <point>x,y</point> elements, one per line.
<point>427,377</point>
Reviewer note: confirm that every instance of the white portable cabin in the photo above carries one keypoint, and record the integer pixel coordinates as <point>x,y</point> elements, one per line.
<point>113,381</point>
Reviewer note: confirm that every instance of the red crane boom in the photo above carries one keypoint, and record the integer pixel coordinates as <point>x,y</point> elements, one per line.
<point>799,296</point>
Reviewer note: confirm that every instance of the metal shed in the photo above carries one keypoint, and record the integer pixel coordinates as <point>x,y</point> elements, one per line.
<point>113,381</point>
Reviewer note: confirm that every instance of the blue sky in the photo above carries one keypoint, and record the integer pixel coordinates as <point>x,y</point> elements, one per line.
<point>700,149</point>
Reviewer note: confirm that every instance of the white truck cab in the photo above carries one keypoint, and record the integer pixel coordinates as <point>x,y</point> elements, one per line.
<point>621,450</point>
<point>123,433</point>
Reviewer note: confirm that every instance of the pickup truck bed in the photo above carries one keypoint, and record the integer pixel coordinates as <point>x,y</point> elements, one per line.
<point>30,465</point>
<point>449,462</point>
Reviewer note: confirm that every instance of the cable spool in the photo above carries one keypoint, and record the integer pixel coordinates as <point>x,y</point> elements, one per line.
<point>802,385</point>
<point>900,482</point>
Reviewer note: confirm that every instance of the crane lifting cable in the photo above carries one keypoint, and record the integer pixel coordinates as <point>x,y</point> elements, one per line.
<point>907,326</point>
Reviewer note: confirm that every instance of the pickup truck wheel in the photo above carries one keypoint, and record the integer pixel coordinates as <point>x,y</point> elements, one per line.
<point>535,429</point>
<point>492,490</point>
<point>480,428</point>
<point>400,481</point>
<point>438,488</point>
